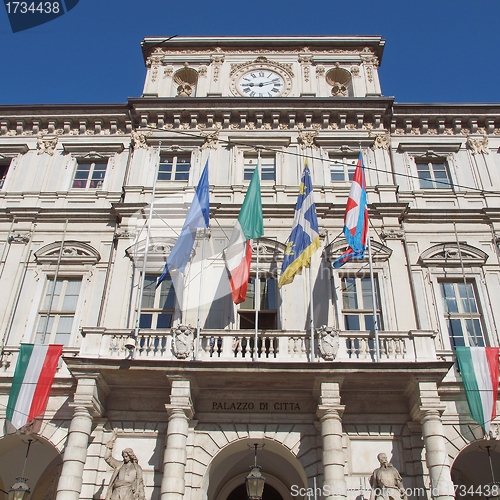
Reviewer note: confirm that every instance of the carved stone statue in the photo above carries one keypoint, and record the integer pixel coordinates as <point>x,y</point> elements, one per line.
<point>386,481</point>
<point>126,482</point>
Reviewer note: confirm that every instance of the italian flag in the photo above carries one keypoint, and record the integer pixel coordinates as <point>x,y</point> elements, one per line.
<point>479,370</point>
<point>238,254</point>
<point>35,370</point>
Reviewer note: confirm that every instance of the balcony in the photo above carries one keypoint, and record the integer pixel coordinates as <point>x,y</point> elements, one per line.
<point>272,346</point>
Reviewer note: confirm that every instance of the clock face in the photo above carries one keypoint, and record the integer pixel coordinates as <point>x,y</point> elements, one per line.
<point>261,83</point>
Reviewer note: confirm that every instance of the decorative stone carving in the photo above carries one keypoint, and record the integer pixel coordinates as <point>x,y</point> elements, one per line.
<point>140,139</point>
<point>183,341</point>
<point>202,70</point>
<point>46,145</point>
<point>355,71</point>
<point>306,138</point>
<point>338,78</point>
<point>217,59</point>
<point>450,255</point>
<point>19,238</point>
<point>392,234</point>
<point>156,57</point>
<point>382,141</point>
<point>328,342</point>
<point>320,71</point>
<point>478,145</point>
<point>73,252</point>
<point>306,60</point>
<point>168,71</point>
<point>124,234</point>
<point>386,481</point>
<point>262,60</point>
<point>211,139</point>
<point>184,90</point>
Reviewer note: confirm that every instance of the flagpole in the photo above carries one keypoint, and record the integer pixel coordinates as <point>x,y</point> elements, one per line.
<point>311,310</point>
<point>200,295</point>
<point>257,304</point>
<point>257,283</point>
<point>56,275</point>
<point>145,259</point>
<point>374,298</point>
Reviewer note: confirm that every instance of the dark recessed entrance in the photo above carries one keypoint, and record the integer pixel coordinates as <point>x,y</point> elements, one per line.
<point>240,493</point>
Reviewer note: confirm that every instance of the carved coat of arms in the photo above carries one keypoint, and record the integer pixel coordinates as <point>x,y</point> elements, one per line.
<point>183,341</point>
<point>328,342</point>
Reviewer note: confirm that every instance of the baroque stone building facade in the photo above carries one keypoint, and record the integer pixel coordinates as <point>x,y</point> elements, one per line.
<point>77,184</point>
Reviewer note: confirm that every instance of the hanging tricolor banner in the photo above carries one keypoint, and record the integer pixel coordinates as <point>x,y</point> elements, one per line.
<point>479,370</point>
<point>355,217</point>
<point>35,370</point>
<point>238,253</point>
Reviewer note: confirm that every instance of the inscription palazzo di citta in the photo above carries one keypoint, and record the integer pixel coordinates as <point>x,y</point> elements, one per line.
<point>255,406</point>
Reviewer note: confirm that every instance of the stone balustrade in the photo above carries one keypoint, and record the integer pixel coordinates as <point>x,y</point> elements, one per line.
<point>237,345</point>
<point>272,346</point>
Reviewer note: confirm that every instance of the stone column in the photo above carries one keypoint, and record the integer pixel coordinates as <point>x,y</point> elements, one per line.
<point>86,405</point>
<point>427,410</point>
<point>180,411</point>
<point>330,414</point>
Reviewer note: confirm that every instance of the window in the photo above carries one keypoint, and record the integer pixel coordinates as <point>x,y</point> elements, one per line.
<point>89,175</point>
<point>462,315</point>
<point>357,304</point>
<point>267,305</point>
<point>4,168</point>
<point>174,168</point>
<point>433,174</point>
<point>55,321</point>
<point>342,167</point>
<point>267,167</point>
<point>158,304</point>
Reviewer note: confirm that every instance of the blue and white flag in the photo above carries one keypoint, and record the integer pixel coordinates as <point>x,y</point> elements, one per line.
<point>355,218</point>
<point>304,239</point>
<point>197,217</point>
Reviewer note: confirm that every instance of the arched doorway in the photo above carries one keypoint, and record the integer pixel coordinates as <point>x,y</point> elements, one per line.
<point>227,472</point>
<point>471,471</point>
<point>240,493</point>
<point>43,465</point>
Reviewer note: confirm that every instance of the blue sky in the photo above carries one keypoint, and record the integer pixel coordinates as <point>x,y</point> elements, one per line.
<point>436,51</point>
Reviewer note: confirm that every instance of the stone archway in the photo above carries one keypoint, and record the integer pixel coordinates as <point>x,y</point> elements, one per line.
<point>43,465</point>
<point>227,472</point>
<point>471,471</point>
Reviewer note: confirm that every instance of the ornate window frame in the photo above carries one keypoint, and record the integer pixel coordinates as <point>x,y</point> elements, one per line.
<point>443,263</point>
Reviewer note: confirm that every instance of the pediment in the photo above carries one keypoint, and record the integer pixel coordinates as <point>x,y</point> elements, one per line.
<point>334,250</point>
<point>73,252</point>
<point>158,249</point>
<point>450,255</point>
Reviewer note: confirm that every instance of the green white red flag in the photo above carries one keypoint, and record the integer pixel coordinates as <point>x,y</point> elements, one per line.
<point>479,370</point>
<point>33,377</point>
<point>238,253</point>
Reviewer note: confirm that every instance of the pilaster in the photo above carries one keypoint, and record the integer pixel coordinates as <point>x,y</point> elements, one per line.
<point>180,412</point>
<point>427,409</point>
<point>330,415</point>
<point>87,404</point>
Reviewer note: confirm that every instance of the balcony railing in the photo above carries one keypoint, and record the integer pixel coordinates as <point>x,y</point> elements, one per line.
<point>272,346</point>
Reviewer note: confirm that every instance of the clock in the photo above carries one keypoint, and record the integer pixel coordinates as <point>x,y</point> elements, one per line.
<point>261,78</point>
<point>261,83</point>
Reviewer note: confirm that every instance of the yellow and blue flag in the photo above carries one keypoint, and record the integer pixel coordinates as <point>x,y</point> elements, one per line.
<point>304,239</point>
